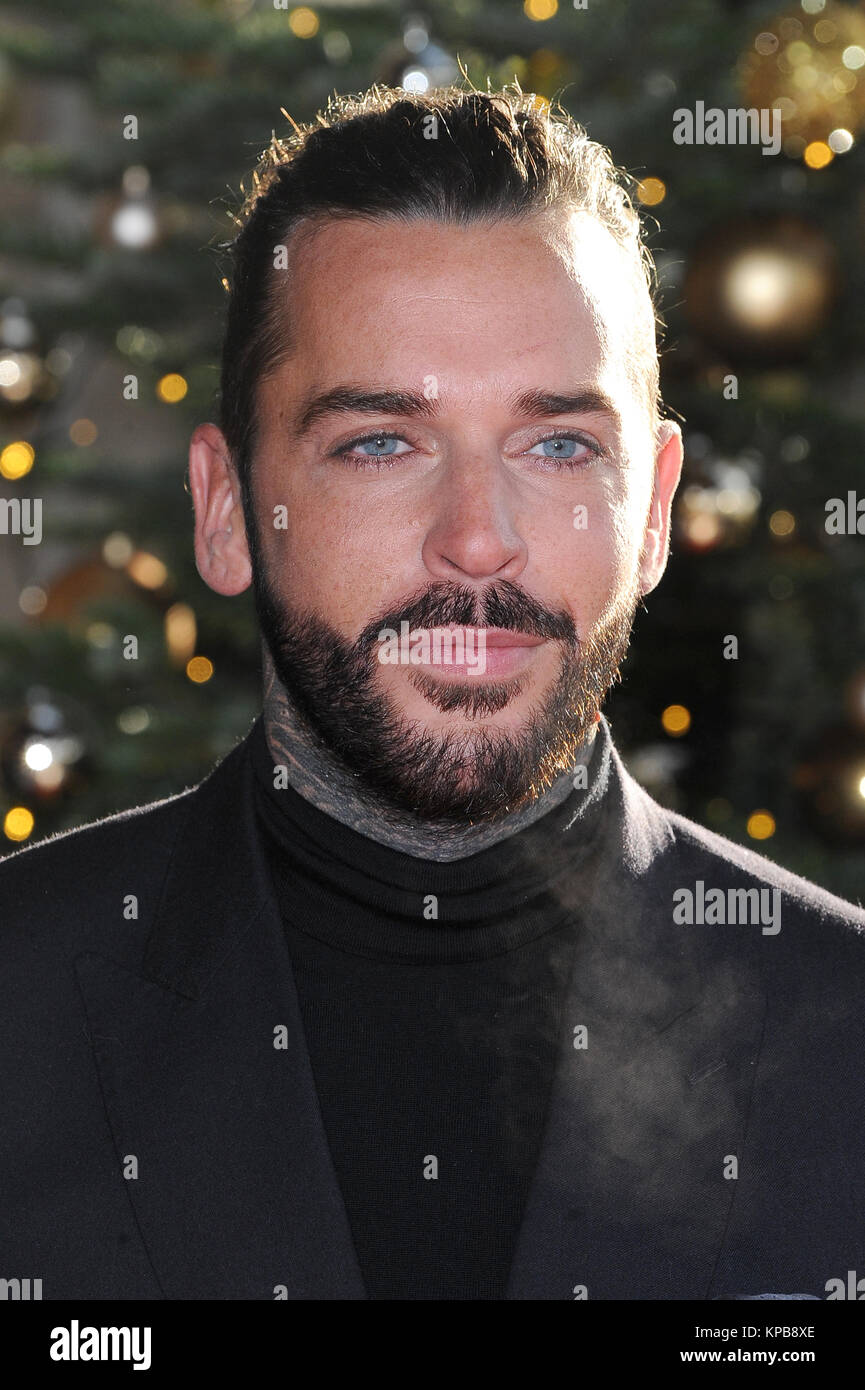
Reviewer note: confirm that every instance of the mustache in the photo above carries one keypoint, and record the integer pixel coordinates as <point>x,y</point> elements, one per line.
<point>501,605</point>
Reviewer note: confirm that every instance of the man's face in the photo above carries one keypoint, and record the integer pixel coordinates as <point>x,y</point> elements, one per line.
<point>482,505</point>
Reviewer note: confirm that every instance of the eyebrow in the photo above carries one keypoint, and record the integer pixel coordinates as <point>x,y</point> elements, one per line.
<point>539,405</point>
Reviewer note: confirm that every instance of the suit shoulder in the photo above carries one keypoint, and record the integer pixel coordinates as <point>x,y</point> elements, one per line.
<point>708,850</point>
<point>807,935</point>
<point>116,832</point>
<point>61,890</point>
<point>657,837</point>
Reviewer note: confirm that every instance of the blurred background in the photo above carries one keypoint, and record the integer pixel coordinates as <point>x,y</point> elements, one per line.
<point>127,130</point>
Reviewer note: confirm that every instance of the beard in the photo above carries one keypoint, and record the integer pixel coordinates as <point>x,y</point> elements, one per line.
<point>448,778</point>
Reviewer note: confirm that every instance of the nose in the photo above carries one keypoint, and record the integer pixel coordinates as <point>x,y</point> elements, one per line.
<point>474,534</point>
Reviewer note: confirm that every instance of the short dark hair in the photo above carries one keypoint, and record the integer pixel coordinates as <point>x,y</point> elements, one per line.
<point>493,155</point>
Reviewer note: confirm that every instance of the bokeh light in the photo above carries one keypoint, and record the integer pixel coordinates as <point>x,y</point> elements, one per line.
<point>676,720</point>
<point>761,825</point>
<point>199,669</point>
<point>16,460</point>
<point>172,388</point>
<point>18,823</point>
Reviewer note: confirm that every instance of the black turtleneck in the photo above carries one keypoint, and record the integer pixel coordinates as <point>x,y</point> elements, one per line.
<point>431,997</point>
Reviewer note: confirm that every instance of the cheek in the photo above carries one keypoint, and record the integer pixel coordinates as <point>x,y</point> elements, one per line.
<point>599,571</point>
<point>606,539</point>
<point>630,515</point>
<point>325,555</point>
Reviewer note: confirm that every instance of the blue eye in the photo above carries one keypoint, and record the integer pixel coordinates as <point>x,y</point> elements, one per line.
<point>384,439</point>
<point>569,453</point>
<point>355,451</point>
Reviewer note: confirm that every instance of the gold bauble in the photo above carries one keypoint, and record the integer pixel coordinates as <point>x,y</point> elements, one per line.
<point>761,288</point>
<point>812,67</point>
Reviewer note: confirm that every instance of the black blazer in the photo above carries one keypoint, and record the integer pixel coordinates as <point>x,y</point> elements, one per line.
<point>707,1142</point>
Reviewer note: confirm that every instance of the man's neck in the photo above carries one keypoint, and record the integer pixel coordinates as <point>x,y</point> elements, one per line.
<point>321,779</point>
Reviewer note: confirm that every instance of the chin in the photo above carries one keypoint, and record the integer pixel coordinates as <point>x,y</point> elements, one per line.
<point>458,726</point>
<point>441,706</point>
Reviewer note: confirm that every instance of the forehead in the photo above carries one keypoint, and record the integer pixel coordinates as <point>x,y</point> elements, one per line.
<point>547,297</point>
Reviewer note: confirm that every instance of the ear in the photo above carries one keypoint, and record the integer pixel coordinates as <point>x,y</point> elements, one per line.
<point>221,548</point>
<point>668,469</point>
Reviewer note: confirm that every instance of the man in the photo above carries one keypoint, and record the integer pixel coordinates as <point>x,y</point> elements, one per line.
<point>418,995</point>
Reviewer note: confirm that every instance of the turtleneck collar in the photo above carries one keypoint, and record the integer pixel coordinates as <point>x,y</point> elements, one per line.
<point>369,898</point>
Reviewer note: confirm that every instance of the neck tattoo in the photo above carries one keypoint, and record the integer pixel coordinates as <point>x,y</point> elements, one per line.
<point>332,788</point>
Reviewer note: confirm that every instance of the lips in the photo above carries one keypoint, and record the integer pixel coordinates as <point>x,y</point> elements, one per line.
<point>501,638</point>
<point>498,652</point>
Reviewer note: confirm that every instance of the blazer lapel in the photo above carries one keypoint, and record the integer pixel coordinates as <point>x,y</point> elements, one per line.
<point>207,1079</point>
<point>633,1188</point>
